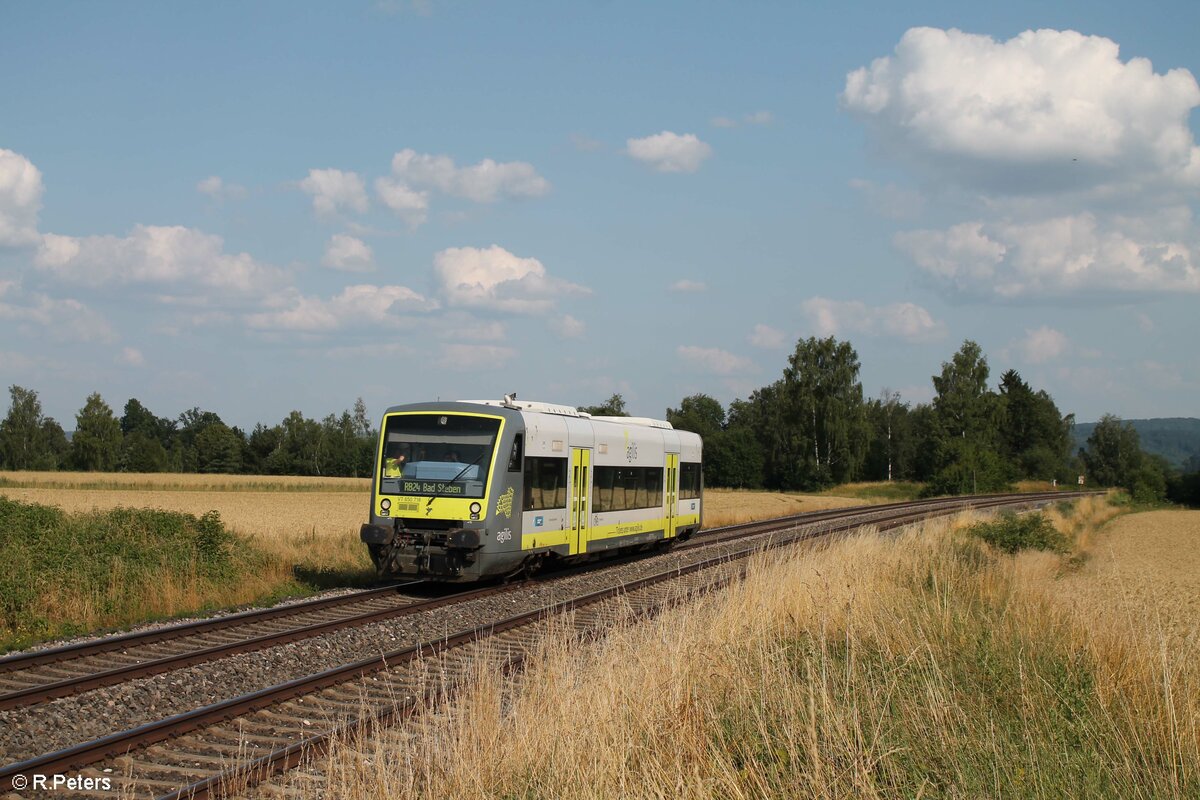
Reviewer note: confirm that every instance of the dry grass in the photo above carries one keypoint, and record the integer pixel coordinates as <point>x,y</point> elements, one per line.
<point>923,665</point>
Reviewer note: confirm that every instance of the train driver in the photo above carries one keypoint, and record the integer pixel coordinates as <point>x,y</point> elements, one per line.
<point>393,462</point>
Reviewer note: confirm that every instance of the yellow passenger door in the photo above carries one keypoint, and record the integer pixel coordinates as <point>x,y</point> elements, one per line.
<point>671,493</point>
<point>581,492</point>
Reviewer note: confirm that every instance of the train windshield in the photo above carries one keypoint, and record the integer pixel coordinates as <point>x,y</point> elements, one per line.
<point>437,455</point>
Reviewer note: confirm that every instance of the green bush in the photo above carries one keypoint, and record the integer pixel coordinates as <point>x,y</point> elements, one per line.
<point>1014,532</point>
<point>64,573</point>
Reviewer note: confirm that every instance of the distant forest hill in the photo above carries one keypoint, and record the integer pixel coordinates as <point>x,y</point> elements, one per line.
<point>1177,439</point>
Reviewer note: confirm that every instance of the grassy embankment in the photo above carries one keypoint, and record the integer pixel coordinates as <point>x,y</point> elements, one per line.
<point>68,573</point>
<point>924,665</point>
<point>85,560</point>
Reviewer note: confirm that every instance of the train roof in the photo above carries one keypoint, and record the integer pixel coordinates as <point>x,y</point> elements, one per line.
<point>570,411</point>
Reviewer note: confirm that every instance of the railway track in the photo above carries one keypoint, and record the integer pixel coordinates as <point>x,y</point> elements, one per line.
<point>39,676</point>
<point>226,744</point>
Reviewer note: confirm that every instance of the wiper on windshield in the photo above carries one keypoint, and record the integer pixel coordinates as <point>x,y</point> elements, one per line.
<point>461,472</point>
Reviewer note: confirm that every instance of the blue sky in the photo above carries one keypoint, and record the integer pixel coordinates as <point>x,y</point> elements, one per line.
<point>284,206</point>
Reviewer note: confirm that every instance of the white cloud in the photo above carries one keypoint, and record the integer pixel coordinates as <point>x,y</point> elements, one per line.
<point>348,254</point>
<point>960,252</point>
<point>760,118</point>
<point>20,200</point>
<point>43,316</point>
<point>723,122</point>
<point>1145,323</point>
<point>1044,111</point>
<point>363,305</point>
<point>217,189</point>
<point>154,255</point>
<point>669,152</point>
<point>768,338</point>
<point>714,360</point>
<point>131,357</point>
<point>496,279</point>
<point>567,327</point>
<point>409,204</point>
<point>484,182</point>
<point>1042,344</point>
<point>688,286</point>
<point>905,321</point>
<point>334,191</point>
<point>463,357</point>
<point>1060,257</point>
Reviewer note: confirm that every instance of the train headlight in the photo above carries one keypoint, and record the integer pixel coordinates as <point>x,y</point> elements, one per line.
<point>476,508</point>
<point>385,504</point>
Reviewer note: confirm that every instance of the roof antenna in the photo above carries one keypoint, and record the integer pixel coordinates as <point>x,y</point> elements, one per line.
<point>508,400</point>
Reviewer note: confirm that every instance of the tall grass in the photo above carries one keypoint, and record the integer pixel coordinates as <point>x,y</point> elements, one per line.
<point>922,665</point>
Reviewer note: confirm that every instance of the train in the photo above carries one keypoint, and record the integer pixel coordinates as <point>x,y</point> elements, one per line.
<point>477,489</point>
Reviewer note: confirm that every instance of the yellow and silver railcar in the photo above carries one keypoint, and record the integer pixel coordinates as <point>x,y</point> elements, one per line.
<point>473,489</point>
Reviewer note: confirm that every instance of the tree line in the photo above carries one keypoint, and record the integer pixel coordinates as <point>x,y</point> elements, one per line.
<point>810,429</point>
<point>195,441</point>
<point>814,428</point>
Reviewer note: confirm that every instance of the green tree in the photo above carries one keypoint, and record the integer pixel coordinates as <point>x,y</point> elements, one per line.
<point>21,441</point>
<point>733,458</point>
<point>191,424</point>
<point>261,445</point>
<point>141,453</point>
<point>892,449</point>
<point>218,449</point>
<point>823,408</point>
<point>1113,456</point>
<point>612,407</point>
<point>301,447</point>
<point>966,427</point>
<point>138,419</point>
<point>56,450</point>
<point>96,444</point>
<point>1035,436</point>
<point>698,413</point>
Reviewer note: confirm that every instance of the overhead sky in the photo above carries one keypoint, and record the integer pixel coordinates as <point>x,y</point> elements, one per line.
<point>256,208</point>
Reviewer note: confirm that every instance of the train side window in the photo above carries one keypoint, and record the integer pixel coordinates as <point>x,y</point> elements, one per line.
<point>545,483</point>
<point>514,458</point>
<point>689,481</point>
<point>627,488</point>
<point>654,487</point>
